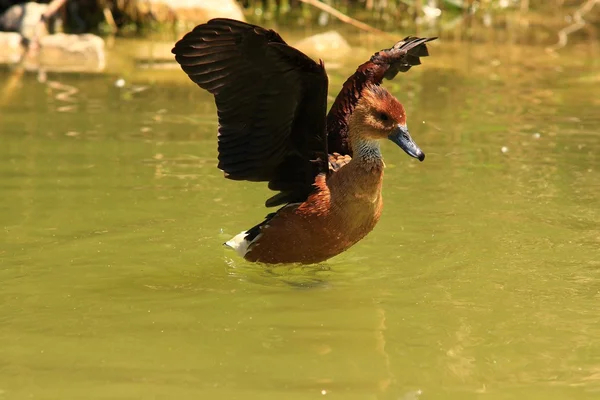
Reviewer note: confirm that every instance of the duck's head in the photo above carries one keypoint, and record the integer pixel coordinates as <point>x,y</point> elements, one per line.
<point>379,115</point>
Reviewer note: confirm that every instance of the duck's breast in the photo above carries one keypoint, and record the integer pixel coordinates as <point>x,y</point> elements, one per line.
<point>342,210</point>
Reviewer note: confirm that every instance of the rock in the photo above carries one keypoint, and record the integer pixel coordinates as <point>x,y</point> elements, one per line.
<point>70,53</point>
<point>30,21</point>
<point>326,45</point>
<point>10,20</point>
<point>190,11</point>
<point>24,18</point>
<point>11,49</point>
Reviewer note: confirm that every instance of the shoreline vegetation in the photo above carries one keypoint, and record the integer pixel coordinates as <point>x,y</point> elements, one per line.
<point>72,36</point>
<point>142,18</point>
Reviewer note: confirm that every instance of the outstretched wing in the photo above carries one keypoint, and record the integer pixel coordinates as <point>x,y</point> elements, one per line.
<point>271,102</point>
<point>383,64</point>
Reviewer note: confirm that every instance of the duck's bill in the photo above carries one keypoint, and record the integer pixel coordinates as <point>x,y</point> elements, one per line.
<point>402,138</point>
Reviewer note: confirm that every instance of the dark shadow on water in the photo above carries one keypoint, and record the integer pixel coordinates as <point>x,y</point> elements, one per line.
<point>298,276</point>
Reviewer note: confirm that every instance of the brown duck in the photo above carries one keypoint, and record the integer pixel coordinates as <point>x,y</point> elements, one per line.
<point>273,126</point>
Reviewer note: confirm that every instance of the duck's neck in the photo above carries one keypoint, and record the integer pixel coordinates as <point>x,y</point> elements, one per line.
<point>367,153</point>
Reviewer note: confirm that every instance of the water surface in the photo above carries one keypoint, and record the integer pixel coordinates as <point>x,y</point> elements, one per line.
<point>482,279</point>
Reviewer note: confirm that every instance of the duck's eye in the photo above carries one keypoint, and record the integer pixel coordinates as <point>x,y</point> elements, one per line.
<point>383,117</point>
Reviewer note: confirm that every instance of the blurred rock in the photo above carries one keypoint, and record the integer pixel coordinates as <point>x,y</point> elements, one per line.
<point>190,11</point>
<point>10,20</point>
<point>72,53</point>
<point>324,45</point>
<point>10,47</point>
<point>24,18</point>
<point>30,21</point>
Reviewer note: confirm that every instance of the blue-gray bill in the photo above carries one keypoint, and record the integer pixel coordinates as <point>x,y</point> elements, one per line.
<point>402,138</point>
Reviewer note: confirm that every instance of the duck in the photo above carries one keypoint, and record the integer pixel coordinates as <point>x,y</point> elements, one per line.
<point>326,168</point>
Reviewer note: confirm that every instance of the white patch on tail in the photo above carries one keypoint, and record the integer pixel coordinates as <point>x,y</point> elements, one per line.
<point>239,243</point>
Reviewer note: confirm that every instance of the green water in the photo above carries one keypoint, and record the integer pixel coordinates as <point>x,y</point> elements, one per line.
<point>482,280</point>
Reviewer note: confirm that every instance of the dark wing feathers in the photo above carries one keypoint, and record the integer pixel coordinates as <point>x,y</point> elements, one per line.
<point>412,47</point>
<point>383,64</point>
<point>271,103</point>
